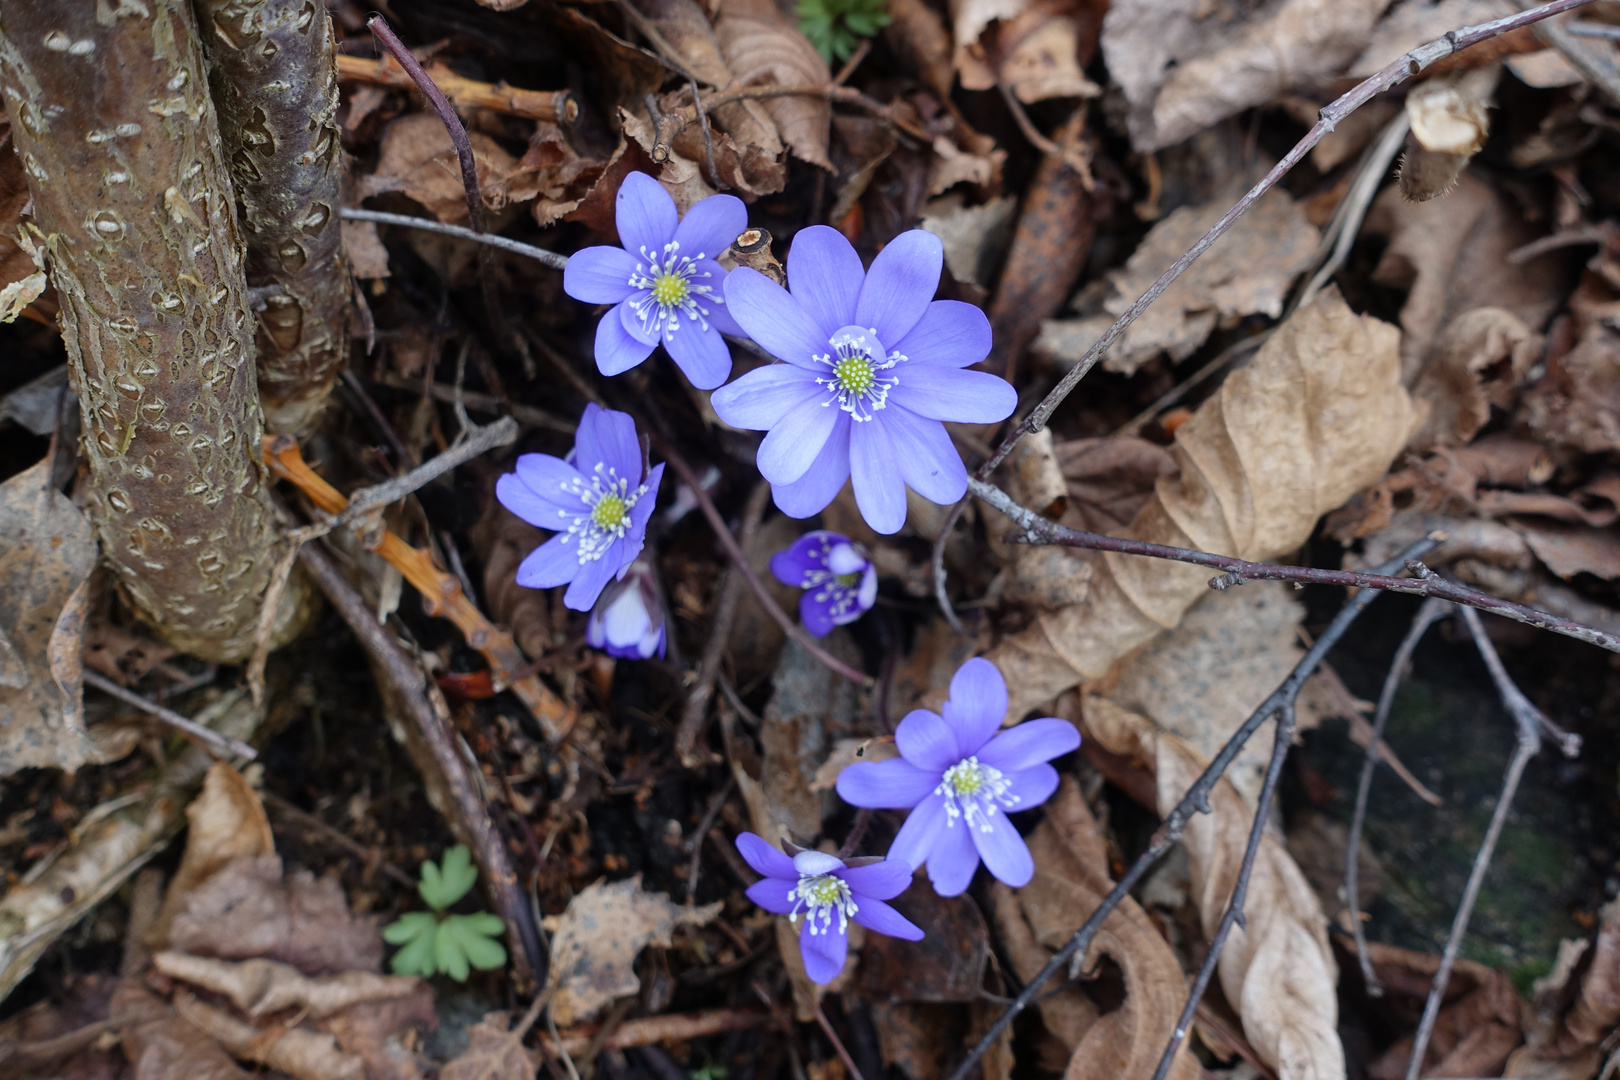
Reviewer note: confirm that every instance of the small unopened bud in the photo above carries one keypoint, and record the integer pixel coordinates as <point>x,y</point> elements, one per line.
<point>628,619</point>
<point>1450,118</point>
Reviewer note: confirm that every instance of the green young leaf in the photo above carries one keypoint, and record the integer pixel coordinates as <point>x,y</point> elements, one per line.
<point>476,935</point>
<point>448,953</point>
<point>834,27</point>
<point>443,885</point>
<point>415,932</point>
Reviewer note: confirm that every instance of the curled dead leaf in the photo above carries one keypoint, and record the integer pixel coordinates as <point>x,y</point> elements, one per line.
<point>259,987</point>
<point>1277,969</point>
<point>1477,362</point>
<point>303,1054</point>
<point>227,822</point>
<point>1314,418</point>
<point>1577,403</point>
<point>1568,1030</point>
<point>1478,1023</point>
<point>762,47</point>
<point>417,159</point>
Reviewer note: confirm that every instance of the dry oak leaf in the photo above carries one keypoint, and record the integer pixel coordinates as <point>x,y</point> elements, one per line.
<point>1277,969</point>
<point>160,1044</point>
<point>1071,879</point>
<point>1451,254</point>
<point>1247,272</point>
<point>596,940</point>
<point>762,48</point>
<point>249,910</point>
<point>492,1053</point>
<point>259,987</point>
<point>1314,418</point>
<point>46,555</point>
<point>1186,64</point>
<point>1477,362</point>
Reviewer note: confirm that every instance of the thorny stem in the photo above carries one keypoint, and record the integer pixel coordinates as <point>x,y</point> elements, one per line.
<point>464,155</point>
<point>1195,801</point>
<point>1529,720</point>
<point>1038,530</point>
<point>740,561</point>
<point>1431,611</point>
<point>1240,893</point>
<point>517,247</point>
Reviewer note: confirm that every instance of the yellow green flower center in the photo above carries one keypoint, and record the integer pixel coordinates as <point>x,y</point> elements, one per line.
<point>848,581</point>
<point>854,374</point>
<point>822,896</point>
<point>610,513</point>
<point>670,289</point>
<point>973,792</point>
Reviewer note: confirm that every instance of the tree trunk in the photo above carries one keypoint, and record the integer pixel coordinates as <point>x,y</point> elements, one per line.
<point>112,118</point>
<point>273,67</point>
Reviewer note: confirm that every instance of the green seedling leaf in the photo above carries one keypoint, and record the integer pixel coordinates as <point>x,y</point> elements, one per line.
<point>475,936</point>
<point>438,941</point>
<point>835,27</point>
<point>443,885</point>
<point>415,932</point>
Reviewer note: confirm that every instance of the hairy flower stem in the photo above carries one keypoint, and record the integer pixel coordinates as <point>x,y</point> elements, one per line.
<point>117,134</point>
<point>273,70</point>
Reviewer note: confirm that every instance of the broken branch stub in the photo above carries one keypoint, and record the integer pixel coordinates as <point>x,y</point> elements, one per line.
<point>273,68</point>
<point>119,140</point>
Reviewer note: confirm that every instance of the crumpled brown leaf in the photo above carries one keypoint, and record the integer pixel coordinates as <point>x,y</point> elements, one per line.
<point>304,1054</point>
<point>1071,879</point>
<point>1247,272</point>
<point>1451,254</point>
<point>226,822</point>
<point>1277,969</point>
<point>1478,1023</point>
<point>596,940</point>
<point>416,158</point>
<point>46,555</point>
<point>1567,1033</point>
<point>1314,418</point>
<point>1577,403</point>
<point>491,1054</point>
<point>553,169</point>
<point>259,987</point>
<point>249,910</point>
<point>1185,64</point>
<point>159,1044</point>
<point>1477,362</point>
<point>762,47</point>
<point>1037,48</point>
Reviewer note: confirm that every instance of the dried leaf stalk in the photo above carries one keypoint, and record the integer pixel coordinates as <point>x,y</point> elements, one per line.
<point>119,139</point>
<point>273,67</point>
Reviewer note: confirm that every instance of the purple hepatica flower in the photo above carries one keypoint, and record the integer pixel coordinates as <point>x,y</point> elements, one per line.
<point>628,619</point>
<point>874,363</point>
<point>962,778</point>
<point>664,282</point>
<point>598,503</point>
<point>828,893</point>
<point>839,581</point>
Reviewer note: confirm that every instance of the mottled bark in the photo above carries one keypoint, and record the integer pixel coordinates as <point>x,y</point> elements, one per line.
<point>273,69</point>
<point>112,119</point>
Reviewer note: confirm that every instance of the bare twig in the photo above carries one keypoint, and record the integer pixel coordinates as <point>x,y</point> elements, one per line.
<point>1592,29</point>
<point>1038,530</point>
<point>647,1030</point>
<point>1074,157</point>
<point>838,1044</point>
<point>857,833</point>
<point>854,61</point>
<point>219,745</point>
<point>1528,720</point>
<point>688,735</point>
<point>1390,76</point>
<point>740,561</point>
<point>1195,801</point>
<point>558,105</point>
<point>938,562</point>
<point>1431,611</point>
<point>1352,209</point>
<point>368,856</point>
<point>550,258</point>
<point>1240,892</point>
<point>488,847</point>
<point>527,415</point>
<point>695,843</point>
<point>708,138</point>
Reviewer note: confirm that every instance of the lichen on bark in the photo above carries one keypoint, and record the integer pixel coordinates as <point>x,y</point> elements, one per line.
<point>118,137</point>
<point>273,69</point>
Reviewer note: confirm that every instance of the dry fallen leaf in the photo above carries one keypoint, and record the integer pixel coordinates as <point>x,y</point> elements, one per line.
<point>158,1043</point>
<point>259,987</point>
<point>1186,64</point>
<point>492,1053</point>
<point>1277,969</point>
<point>1477,362</point>
<point>555,172</point>
<point>302,1054</point>
<point>46,555</point>
<point>1247,272</point>
<point>1477,1026</point>
<point>1568,1031</point>
<point>975,237</point>
<point>1071,879</point>
<point>762,47</point>
<point>417,159</point>
<point>596,941</point>
<point>1577,403</point>
<point>249,910</point>
<point>1314,418</point>
<point>226,823</point>
<point>1037,48</point>
<point>1451,254</point>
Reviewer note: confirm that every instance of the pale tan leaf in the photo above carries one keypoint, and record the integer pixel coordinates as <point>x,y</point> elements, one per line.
<point>1315,418</point>
<point>265,986</point>
<point>1567,1039</point>
<point>596,941</point>
<point>303,1054</point>
<point>763,48</point>
<point>1277,969</point>
<point>1578,404</point>
<point>1071,879</point>
<point>492,1053</point>
<point>227,822</point>
<point>46,555</point>
<point>1478,361</point>
<point>1247,272</point>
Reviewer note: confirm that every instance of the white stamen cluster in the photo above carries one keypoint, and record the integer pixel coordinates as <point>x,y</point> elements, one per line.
<point>973,791</point>
<point>610,500</point>
<point>843,591</point>
<point>821,895</point>
<point>671,279</point>
<point>855,384</point>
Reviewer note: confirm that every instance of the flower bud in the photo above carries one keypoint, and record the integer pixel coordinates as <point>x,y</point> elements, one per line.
<point>628,619</point>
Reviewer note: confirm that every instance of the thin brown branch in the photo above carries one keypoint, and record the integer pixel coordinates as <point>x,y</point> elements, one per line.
<point>1431,610</point>
<point>1391,76</point>
<point>1527,719</point>
<point>488,848</point>
<point>701,833</point>
<point>1038,530</point>
<point>728,596</point>
<point>517,247</point>
<point>838,1044</point>
<point>740,561</point>
<point>560,106</point>
<point>1075,158</point>
<point>222,746</point>
<point>1195,801</point>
